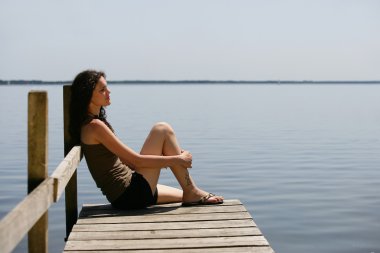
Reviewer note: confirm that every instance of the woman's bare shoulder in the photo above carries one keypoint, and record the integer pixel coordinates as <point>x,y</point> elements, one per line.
<point>94,124</point>
<point>91,131</point>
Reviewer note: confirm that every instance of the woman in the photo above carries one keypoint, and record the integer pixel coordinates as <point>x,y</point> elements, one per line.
<point>128,179</point>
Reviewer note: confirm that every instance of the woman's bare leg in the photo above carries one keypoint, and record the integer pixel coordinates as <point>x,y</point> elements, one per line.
<point>168,194</point>
<point>162,141</point>
<point>154,145</point>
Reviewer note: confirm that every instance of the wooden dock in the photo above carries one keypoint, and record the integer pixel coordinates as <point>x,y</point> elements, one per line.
<point>100,228</point>
<point>167,228</point>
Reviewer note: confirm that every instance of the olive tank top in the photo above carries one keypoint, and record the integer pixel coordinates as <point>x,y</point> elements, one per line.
<point>108,172</point>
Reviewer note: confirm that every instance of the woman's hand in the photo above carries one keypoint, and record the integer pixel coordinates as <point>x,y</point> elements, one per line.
<point>185,159</point>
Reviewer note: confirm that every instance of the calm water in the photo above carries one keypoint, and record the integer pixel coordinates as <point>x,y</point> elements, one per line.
<point>304,159</point>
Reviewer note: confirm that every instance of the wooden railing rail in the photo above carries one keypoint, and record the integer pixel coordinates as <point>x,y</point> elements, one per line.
<point>65,171</point>
<point>15,225</point>
<point>30,215</point>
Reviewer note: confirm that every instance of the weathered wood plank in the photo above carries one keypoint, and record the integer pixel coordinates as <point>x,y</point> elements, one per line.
<point>164,234</point>
<point>18,222</point>
<point>228,202</point>
<point>166,218</point>
<point>263,249</point>
<point>64,171</point>
<point>167,243</point>
<point>90,213</point>
<point>165,225</point>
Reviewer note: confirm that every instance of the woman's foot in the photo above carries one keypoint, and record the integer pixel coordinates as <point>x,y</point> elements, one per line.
<point>200,197</point>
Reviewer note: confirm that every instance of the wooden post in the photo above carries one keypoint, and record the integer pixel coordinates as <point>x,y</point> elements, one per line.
<point>37,163</point>
<point>71,188</point>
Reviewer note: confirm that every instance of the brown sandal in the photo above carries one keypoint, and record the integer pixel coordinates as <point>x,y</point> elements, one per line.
<point>203,201</point>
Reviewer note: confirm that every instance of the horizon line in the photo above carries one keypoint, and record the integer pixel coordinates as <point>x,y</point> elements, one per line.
<point>36,81</point>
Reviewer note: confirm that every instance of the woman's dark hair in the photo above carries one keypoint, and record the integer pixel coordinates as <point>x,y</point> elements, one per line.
<point>81,93</point>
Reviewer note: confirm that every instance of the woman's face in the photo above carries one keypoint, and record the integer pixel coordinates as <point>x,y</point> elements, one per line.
<point>101,93</point>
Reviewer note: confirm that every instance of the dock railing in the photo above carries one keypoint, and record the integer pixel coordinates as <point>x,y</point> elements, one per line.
<point>31,214</point>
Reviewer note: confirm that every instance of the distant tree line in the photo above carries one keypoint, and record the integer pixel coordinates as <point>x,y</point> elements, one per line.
<point>27,82</point>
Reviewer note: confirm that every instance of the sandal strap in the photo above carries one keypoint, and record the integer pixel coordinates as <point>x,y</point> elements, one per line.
<point>207,197</point>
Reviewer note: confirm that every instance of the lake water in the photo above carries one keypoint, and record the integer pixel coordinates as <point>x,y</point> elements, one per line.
<point>304,159</point>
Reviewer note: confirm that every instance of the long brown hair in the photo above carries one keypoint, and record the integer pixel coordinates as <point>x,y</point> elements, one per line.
<point>81,93</point>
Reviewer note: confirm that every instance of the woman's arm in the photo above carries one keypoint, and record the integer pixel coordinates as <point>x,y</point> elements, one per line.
<point>102,134</point>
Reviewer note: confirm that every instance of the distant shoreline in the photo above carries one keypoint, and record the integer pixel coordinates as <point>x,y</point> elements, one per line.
<point>34,82</point>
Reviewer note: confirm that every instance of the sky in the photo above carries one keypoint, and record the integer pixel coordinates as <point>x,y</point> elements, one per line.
<point>191,40</point>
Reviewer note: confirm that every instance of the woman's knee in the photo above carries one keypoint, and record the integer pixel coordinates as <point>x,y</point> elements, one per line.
<point>163,128</point>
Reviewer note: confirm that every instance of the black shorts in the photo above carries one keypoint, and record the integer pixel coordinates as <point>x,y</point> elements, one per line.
<point>137,195</point>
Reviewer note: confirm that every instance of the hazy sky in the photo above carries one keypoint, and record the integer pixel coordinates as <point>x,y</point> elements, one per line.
<point>197,39</point>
